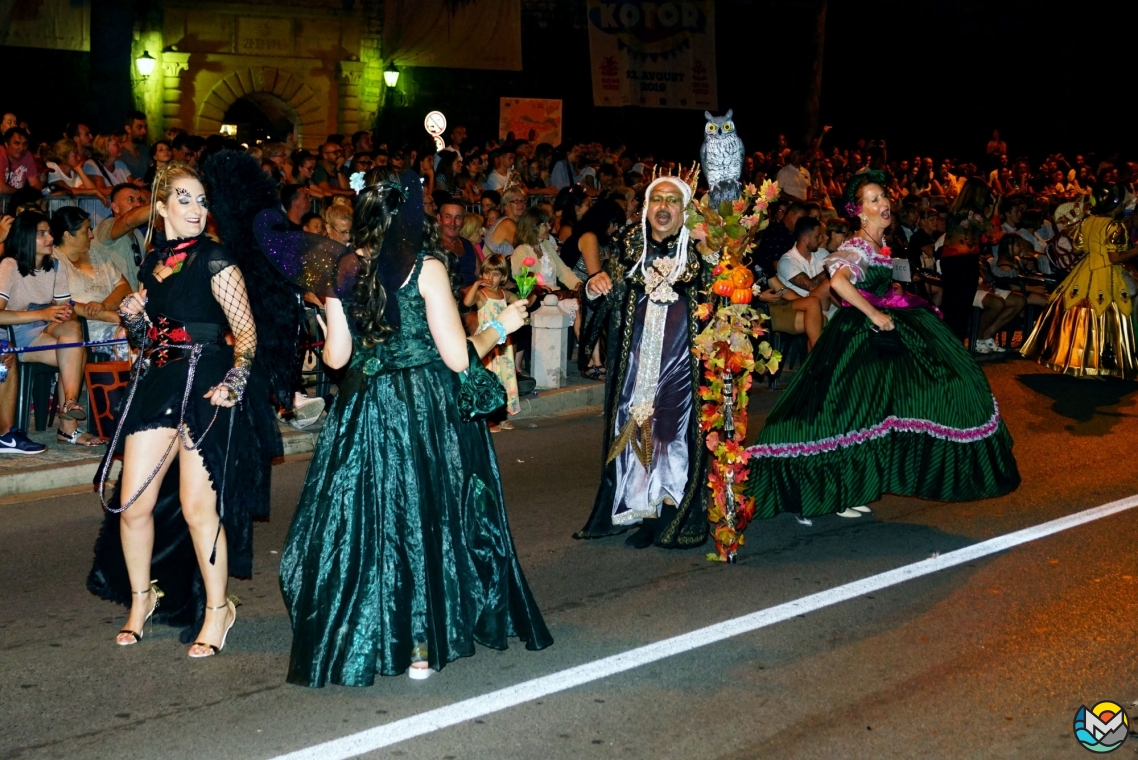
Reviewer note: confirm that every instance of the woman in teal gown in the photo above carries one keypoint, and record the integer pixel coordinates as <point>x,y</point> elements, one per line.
<point>399,557</point>
<point>889,401</point>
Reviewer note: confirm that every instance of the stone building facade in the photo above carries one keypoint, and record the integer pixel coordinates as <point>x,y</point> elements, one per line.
<point>314,64</point>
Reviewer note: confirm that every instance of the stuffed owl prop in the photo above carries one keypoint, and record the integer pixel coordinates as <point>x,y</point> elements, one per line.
<point>722,158</point>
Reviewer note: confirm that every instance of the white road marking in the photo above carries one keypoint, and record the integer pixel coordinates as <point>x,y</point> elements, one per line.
<point>397,731</point>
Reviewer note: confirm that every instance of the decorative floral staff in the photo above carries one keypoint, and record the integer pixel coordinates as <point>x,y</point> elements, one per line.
<point>727,347</point>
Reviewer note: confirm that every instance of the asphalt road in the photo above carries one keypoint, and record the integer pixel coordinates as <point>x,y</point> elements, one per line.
<point>986,660</point>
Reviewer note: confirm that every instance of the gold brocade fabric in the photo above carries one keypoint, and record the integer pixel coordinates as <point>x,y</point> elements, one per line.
<point>1087,330</point>
<point>1084,343</point>
<point>1094,278</point>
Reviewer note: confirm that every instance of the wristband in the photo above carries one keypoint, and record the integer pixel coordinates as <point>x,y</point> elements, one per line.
<point>237,378</point>
<point>499,327</point>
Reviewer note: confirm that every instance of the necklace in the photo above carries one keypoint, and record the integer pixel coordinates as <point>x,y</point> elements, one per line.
<point>870,238</point>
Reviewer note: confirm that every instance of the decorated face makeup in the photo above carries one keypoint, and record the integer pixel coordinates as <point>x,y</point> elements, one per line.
<point>185,209</point>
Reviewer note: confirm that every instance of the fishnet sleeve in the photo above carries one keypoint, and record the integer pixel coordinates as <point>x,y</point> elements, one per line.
<point>228,287</point>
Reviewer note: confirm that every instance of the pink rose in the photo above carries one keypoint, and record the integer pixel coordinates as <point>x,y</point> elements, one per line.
<point>540,279</point>
<point>529,261</point>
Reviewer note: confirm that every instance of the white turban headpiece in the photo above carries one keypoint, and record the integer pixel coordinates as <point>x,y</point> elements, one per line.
<point>682,243</point>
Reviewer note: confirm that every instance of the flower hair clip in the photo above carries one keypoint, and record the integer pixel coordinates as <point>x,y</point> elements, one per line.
<point>852,209</point>
<point>356,182</point>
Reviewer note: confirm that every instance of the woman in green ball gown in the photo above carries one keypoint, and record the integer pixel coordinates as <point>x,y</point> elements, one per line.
<point>889,401</point>
<point>400,557</point>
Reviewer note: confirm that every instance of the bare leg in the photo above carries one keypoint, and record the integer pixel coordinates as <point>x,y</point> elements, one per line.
<point>136,524</point>
<point>199,507</point>
<point>822,293</point>
<point>993,305</point>
<point>1012,305</point>
<point>69,360</point>
<point>8,394</point>
<point>809,310</point>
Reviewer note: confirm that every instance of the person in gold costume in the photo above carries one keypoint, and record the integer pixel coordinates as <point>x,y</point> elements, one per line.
<point>1087,330</point>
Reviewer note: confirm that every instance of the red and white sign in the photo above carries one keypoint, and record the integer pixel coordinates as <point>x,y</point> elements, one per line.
<point>435,123</point>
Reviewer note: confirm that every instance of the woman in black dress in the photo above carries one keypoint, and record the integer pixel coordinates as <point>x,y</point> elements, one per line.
<point>183,418</point>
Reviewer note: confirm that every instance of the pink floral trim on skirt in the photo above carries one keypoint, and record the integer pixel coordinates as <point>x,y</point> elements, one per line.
<point>890,424</point>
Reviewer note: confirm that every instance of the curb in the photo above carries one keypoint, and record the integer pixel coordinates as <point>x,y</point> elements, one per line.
<point>76,476</point>
<point>542,403</point>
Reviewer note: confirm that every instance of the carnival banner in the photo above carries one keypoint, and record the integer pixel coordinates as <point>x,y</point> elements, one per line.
<point>473,34</point>
<point>539,117</point>
<point>51,24</point>
<point>653,54</point>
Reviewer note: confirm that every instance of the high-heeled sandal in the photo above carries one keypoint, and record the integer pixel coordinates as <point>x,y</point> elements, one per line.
<point>419,657</point>
<point>232,603</point>
<point>158,594</point>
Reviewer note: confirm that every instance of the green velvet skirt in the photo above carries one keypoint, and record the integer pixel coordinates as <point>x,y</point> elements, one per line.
<point>400,538</point>
<point>863,417</point>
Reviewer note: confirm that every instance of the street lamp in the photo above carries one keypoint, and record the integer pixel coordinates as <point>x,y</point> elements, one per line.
<point>145,64</point>
<point>391,75</point>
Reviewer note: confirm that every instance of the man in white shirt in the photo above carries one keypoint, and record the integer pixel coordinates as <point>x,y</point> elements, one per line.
<point>119,237</point>
<point>801,269</point>
<point>794,180</point>
<point>499,177</point>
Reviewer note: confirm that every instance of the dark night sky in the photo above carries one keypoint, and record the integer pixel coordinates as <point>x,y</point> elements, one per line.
<point>930,76</point>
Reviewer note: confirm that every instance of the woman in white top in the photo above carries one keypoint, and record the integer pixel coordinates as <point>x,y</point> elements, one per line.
<point>534,242</point>
<point>65,174</point>
<point>97,286</point>
<point>34,296</point>
<point>104,167</point>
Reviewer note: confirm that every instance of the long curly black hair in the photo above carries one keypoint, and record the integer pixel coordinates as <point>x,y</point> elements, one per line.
<point>238,190</point>
<point>385,264</point>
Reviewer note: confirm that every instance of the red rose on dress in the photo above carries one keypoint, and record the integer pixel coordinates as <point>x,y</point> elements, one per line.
<point>179,335</point>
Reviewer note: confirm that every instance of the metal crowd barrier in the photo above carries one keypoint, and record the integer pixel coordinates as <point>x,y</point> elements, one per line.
<point>94,207</point>
<point>6,348</point>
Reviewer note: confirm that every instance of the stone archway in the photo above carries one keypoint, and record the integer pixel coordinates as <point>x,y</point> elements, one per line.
<point>286,85</point>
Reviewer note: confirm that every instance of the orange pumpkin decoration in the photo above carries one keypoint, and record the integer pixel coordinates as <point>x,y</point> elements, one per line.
<point>723,287</point>
<point>741,295</point>
<point>742,277</point>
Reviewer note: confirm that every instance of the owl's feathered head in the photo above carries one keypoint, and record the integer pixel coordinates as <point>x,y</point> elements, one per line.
<point>719,126</point>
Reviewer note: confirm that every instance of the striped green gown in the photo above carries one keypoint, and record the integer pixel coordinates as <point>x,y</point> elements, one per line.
<point>859,420</point>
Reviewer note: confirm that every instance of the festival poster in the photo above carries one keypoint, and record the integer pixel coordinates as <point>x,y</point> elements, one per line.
<point>653,54</point>
<point>521,116</point>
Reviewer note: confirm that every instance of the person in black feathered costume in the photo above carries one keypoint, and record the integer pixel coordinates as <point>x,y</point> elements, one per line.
<point>217,328</point>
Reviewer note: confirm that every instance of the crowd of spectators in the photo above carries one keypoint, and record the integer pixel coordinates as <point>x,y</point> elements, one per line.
<point>564,207</point>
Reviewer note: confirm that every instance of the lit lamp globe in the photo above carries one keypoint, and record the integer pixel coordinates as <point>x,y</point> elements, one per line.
<point>391,75</point>
<point>145,63</point>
